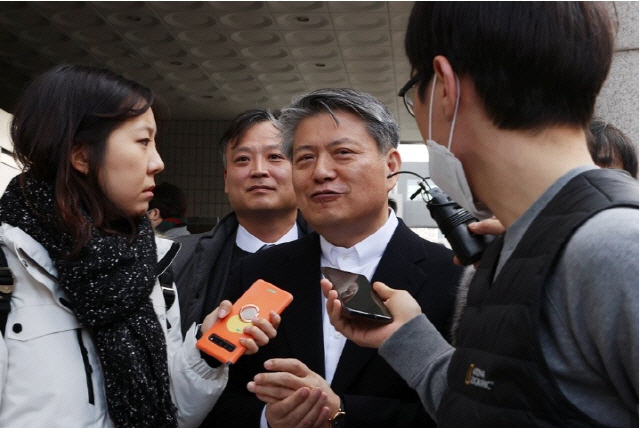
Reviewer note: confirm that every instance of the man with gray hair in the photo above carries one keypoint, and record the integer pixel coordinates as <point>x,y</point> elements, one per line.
<point>343,147</point>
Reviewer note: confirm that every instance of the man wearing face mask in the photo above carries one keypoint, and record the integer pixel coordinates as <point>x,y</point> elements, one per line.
<point>550,334</point>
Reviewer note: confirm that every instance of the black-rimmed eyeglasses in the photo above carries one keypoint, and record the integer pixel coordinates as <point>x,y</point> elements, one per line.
<point>407,93</point>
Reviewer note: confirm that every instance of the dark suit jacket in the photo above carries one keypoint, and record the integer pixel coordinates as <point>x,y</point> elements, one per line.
<point>202,266</point>
<point>373,394</point>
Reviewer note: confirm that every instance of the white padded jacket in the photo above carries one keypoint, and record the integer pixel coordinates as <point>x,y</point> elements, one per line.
<point>50,374</point>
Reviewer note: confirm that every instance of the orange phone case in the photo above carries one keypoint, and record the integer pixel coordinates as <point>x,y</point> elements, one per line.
<point>222,340</point>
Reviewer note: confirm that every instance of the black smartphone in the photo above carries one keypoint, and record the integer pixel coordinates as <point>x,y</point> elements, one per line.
<point>357,296</point>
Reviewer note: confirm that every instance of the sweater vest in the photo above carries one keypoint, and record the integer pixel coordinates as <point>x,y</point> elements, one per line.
<point>498,376</point>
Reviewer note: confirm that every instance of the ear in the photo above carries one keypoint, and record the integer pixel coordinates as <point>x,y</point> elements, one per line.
<point>79,159</point>
<point>449,93</point>
<point>394,163</point>
<point>226,190</point>
<point>154,214</point>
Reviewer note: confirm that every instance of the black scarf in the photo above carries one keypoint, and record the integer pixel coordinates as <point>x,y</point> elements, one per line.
<point>109,285</point>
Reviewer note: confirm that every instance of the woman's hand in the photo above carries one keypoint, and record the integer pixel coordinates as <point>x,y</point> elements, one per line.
<point>261,330</point>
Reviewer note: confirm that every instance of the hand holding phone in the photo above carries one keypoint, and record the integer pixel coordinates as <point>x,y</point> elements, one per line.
<point>222,340</point>
<point>371,335</point>
<point>357,295</point>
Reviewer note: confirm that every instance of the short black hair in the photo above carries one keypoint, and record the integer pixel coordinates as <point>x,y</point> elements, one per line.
<point>533,64</point>
<point>608,145</point>
<point>241,124</point>
<point>393,204</point>
<point>170,200</point>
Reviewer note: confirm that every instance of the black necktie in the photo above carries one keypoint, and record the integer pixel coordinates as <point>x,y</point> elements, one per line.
<point>265,246</point>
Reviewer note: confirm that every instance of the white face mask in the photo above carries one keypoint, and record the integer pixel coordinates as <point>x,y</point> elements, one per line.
<point>446,170</point>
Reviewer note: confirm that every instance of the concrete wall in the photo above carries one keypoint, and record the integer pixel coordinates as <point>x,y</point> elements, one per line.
<point>618,99</point>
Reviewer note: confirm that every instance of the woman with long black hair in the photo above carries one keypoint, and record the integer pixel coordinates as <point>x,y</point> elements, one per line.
<point>90,341</point>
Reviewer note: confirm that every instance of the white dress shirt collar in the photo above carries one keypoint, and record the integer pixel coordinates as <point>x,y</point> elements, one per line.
<point>251,244</point>
<point>362,258</point>
<point>357,258</point>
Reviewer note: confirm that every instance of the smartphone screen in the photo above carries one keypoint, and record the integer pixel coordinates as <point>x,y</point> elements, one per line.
<point>357,295</point>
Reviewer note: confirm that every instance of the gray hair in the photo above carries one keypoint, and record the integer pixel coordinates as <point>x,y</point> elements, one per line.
<point>377,118</point>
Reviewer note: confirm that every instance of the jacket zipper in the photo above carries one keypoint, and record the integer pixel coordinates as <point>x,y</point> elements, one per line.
<point>87,366</point>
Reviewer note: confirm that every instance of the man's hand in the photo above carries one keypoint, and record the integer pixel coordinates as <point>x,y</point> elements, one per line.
<point>261,330</point>
<point>295,395</point>
<point>401,304</point>
<point>305,408</point>
<point>490,226</point>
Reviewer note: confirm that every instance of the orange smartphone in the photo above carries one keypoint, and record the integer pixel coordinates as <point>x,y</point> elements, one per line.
<point>222,340</point>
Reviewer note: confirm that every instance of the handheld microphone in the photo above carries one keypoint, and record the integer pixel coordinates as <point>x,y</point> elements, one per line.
<point>452,220</point>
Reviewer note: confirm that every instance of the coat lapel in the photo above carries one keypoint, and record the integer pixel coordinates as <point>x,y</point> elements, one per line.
<point>398,265</point>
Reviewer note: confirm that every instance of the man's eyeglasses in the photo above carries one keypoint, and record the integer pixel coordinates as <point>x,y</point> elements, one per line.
<point>407,93</point>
